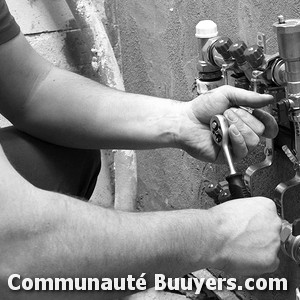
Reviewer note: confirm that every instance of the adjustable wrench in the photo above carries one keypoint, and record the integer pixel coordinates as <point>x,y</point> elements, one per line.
<point>219,129</point>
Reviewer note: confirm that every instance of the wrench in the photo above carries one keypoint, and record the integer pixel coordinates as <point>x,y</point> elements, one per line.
<point>290,233</point>
<point>219,129</point>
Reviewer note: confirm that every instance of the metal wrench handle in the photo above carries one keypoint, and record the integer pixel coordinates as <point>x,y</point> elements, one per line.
<point>219,129</point>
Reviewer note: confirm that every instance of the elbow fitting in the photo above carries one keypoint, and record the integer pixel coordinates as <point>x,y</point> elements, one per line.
<point>207,35</point>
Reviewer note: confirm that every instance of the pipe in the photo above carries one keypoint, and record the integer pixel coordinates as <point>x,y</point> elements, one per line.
<point>106,66</point>
<point>288,38</point>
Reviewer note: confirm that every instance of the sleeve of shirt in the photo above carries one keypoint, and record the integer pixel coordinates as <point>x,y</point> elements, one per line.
<point>8,26</point>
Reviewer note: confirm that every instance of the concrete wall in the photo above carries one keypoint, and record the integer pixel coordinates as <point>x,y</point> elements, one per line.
<point>157,50</point>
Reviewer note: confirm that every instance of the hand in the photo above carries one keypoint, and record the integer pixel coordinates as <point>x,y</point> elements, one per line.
<point>245,128</point>
<point>250,233</point>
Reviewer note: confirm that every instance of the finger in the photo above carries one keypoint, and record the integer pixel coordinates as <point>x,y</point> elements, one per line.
<point>250,137</point>
<point>238,96</point>
<point>239,147</point>
<point>271,127</point>
<point>251,121</point>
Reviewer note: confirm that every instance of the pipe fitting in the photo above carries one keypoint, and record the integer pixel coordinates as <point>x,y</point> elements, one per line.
<point>288,38</point>
<point>207,35</point>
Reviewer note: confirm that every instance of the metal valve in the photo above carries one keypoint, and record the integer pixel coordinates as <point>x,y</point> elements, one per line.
<point>254,56</point>
<point>222,46</point>
<point>237,51</point>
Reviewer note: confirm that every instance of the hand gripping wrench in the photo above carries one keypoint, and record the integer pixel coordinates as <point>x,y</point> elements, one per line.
<point>290,233</point>
<point>219,129</point>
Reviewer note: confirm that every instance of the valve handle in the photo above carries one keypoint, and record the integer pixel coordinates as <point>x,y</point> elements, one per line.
<point>222,46</point>
<point>237,51</point>
<point>255,56</point>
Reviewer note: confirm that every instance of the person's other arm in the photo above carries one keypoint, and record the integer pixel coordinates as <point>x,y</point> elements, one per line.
<point>48,235</point>
<point>67,109</point>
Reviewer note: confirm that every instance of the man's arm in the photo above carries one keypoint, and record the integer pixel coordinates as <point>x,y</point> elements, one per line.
<point>48,235</point>
<point>67,109</point>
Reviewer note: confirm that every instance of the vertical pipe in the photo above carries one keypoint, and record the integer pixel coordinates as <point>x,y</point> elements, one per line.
<point>105,64</point>
<point>288,38</point>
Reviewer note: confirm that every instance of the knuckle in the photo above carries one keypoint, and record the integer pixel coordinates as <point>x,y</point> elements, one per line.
<point>268,201</point>
<point>269,204</point>
<point>273,209</point>
<point>225,88</point>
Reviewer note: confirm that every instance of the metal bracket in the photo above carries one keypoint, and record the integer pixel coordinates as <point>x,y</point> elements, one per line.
<point>268,161</point>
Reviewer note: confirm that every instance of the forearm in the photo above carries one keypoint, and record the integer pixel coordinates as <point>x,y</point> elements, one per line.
<point>47,235</point>
<point>64,108</point>
<point>71,110</point>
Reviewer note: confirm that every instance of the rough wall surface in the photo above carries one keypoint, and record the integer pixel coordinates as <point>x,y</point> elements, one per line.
<point>159,55</point>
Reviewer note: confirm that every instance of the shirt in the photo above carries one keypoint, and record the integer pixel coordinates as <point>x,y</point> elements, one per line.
<point>8,26</point>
